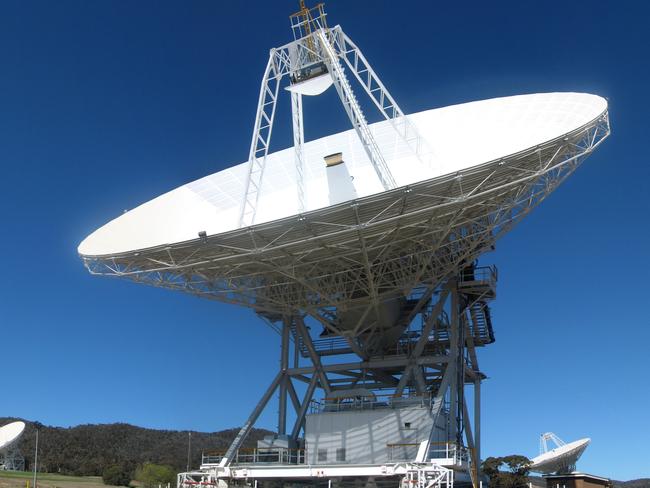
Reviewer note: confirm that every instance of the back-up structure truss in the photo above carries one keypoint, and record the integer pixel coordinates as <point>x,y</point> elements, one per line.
<point>11,459</point>
<point>367,250</point>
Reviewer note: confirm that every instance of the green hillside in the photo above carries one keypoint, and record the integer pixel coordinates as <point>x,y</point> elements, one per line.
<point>85,450</point>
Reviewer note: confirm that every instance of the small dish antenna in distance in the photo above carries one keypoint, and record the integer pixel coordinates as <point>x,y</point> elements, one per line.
<point>10,433</point>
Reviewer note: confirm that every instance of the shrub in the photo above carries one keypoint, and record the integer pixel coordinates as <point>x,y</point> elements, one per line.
<point>151,475</point>
<point>116,475</point>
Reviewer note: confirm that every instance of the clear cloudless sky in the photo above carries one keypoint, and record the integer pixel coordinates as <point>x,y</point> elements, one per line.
<point>106,104</point>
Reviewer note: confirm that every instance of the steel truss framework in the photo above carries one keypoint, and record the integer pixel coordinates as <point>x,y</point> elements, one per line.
<point>12,460</point>
<point>549,436</point>
<point>329,48</point>
<point>361,253</point>
<point>437,354</point>
<point>435,359</point>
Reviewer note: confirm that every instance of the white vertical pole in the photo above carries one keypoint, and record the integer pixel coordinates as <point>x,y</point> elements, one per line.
<point>189,449</point>
<point>36,458</point>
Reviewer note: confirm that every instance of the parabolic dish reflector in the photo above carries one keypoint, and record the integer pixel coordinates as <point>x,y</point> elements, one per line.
<point>562,458</point>
<point>10,433</point>
<point>492,161</point>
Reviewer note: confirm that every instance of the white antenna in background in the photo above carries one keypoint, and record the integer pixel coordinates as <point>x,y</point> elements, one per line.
<point>10,457</point>
<point>560,459</point>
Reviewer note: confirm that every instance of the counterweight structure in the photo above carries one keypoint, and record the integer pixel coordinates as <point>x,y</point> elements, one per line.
<point>378,300</point>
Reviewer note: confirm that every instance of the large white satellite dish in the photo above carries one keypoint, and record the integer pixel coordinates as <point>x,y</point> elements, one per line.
<point>371,233</point>
<point>562,458</point>
<point>493,161</point>
<point>9,434</point>
<point>496,133</point>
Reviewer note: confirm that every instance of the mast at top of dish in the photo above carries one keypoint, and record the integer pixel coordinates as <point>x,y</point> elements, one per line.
<point>549,436</point>
<point>316,59</point>
<point>307,20</point>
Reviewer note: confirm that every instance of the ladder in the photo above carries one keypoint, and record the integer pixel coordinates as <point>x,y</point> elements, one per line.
<point>355,114</point>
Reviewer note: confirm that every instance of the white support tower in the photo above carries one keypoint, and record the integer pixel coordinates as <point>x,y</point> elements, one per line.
<point>312,63</point>
<point>261,140</point>
<point>354,112</point>
<point>549,436</point>
<point>375,89</point>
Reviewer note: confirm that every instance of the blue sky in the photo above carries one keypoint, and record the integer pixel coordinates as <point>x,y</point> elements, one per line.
<point>104,105</point>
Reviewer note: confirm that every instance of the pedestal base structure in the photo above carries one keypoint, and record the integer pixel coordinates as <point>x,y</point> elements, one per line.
<point>394,411</point>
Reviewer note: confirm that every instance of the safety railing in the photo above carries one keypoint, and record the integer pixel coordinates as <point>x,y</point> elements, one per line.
<point>486,275</point>
<point>451,451</point>
<point>212,457</point>
<point>368,403</point>
<point>260,455</point>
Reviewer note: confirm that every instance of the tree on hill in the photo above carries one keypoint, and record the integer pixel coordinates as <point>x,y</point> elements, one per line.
<point>87,450</point>
<point>515,477</point>
<point>639,483</point>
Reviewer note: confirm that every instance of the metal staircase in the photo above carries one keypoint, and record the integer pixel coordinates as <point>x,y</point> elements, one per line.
<point>480,325</point>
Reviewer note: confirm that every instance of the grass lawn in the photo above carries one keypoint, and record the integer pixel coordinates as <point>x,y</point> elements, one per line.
<point>19,479</point>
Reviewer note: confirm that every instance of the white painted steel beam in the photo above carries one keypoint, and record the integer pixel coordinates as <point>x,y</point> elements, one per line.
<point>248,425</point>
<point>354,112</point>
<point>298,142</point>
<point>261,141</point>
<point>379,94</point>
